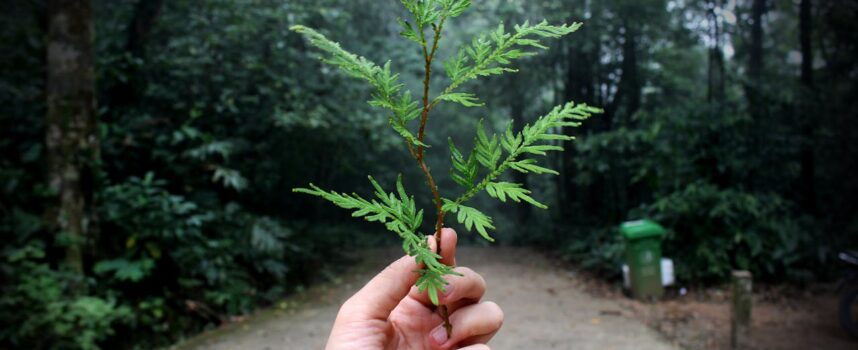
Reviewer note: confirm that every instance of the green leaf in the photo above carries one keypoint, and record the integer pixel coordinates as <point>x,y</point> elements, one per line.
<point>408,31</point>
<point>541,149</point>
<point>400,128</point>
<point>491,53</point>
<point>125,270</point>
<point>488,150</point>
<point>471,218</point>
<point>464,171</point>
<point>388,93</point>
<point>350,63</point>
<point>529,166</point>
<point>536,138</point>
<point>511,141</point>
<point>502,190</point>
<point>463,98</point>
<point>229,178</point>
<point>399,214</point>
<point>457,7</point>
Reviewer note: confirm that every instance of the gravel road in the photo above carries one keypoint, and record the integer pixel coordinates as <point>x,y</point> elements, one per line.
<point>544,305</point>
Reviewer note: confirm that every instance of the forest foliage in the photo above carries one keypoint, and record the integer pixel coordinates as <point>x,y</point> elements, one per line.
<point>730,123</point>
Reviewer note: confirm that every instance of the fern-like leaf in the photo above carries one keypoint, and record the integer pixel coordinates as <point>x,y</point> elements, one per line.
<point>387,93</point>
<point>464,171</point>
<point>471,218</point>
<point>463,98</point>
<point>534,139</point>
<point>492,53</point>
<point>502,190</point>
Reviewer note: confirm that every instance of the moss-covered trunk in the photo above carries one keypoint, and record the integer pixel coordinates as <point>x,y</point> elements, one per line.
<point>71,133</point>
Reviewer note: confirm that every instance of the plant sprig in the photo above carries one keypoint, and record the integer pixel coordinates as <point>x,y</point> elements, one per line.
<point>488,54</point>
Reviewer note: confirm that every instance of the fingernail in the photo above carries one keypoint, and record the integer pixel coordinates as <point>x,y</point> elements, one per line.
<point>439,335</point>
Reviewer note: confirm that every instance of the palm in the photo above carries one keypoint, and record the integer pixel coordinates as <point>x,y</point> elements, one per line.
<point>406,329</point>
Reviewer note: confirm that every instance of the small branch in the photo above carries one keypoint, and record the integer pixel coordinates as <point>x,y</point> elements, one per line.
<point>489,60</point>
<point>428,56</point>
<point>419,153</point>
<point>427,79</point>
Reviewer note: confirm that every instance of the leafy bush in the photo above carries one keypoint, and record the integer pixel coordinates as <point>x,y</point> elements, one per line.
<point>599,250</point>
<point>713,231</point>
<point>688,172</point>
<point>41,307</point>
<point>212,261</point>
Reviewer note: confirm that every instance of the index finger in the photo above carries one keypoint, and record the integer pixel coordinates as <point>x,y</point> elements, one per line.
<point>449,238</point>
<point>384,292</point>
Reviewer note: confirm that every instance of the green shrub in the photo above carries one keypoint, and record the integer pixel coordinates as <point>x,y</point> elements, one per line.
<point>42,308</point>
<point>713,231</point>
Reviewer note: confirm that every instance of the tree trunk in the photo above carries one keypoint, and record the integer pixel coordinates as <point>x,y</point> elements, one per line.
<point>716,58</point>
<point>807,159</point>
<point>755,59</point>
<point>579,85</point>
<point>71,133</point>
<point>631,81</point>
<point>627,100</point>
<point>124,93</point>
<point>626,103</point>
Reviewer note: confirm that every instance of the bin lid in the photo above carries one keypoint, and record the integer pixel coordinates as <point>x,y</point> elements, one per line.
<point>640,229</point>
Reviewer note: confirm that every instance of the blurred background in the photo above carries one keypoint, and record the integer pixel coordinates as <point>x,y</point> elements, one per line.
<point>146,175</point>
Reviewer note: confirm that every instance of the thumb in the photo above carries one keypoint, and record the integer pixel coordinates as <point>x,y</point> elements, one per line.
<point>384,292</point>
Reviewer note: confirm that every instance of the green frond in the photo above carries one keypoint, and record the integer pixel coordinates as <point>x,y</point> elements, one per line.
<point>350,63</point>
<point>424,12</point>
<point>533,139</point>
<point>398,213</point>
<point>388,89</point>
<point>397,210</point>
<point>433,11</point>
<point>408,31</point>
<point>464,171</point>
<point>463,98</point>
<point>455,8</point>
<point>529,166</point>
<point>502,190</point>
<point>492,53</point>
<point>488,150</point>
<point>471,218</point>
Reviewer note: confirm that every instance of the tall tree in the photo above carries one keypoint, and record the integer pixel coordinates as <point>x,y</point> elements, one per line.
<point>716,57</point>
<point>630,85</point>
<point>755,59</point>
<point>807,177</point>
<point>71,133</point>
<point>579,82</point>
<point>126,92</point>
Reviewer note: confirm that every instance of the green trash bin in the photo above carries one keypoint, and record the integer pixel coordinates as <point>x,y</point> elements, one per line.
<point>643,255</point>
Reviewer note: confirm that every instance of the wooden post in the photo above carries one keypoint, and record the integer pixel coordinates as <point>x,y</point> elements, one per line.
<point>740,330</point>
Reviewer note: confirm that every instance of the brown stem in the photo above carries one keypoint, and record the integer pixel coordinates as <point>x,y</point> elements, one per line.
<point>427,78</point>
<point>421,161</point>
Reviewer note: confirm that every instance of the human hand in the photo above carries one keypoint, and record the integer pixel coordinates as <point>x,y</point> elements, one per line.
<point>390,314</point>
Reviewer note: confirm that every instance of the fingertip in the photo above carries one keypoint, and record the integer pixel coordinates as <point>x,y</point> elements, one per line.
<point>449,240</point>
<point>449,235</point>
<point>432,242</point>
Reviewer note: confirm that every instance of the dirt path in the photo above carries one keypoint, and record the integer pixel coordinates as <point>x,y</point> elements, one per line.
<point>545,308</point>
